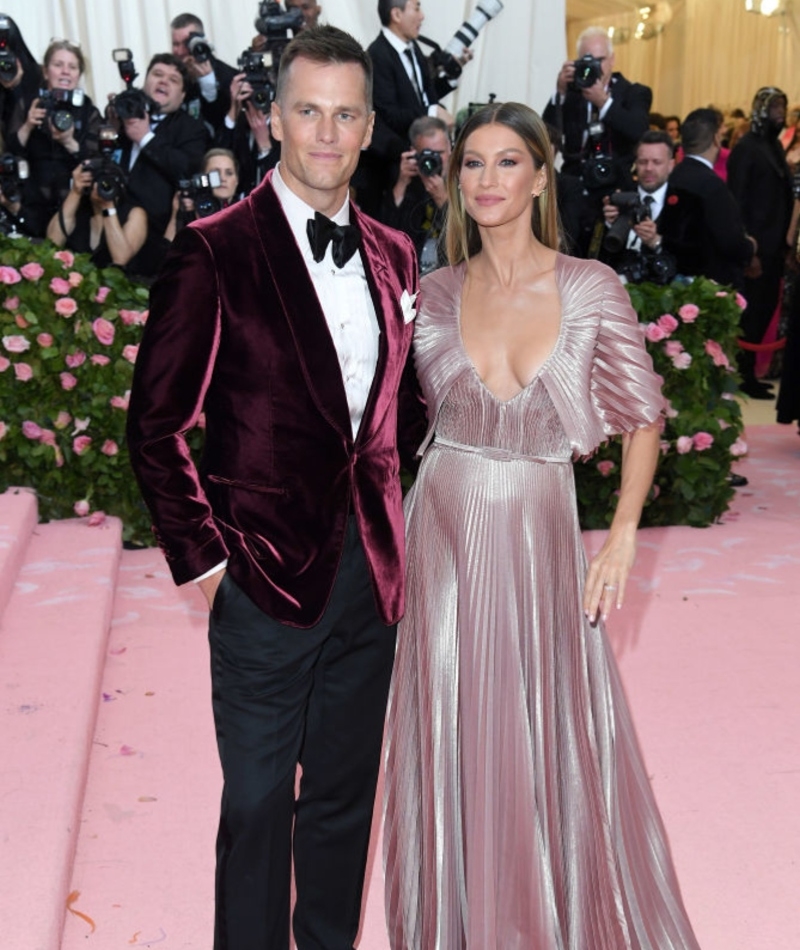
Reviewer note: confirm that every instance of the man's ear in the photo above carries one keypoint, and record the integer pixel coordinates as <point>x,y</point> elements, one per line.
<point>275,121</point>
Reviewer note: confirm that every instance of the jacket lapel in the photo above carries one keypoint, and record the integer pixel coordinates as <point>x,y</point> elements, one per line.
<point>315,349</point>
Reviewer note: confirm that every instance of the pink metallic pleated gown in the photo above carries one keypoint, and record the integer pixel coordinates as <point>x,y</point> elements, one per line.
<point>519,815</point>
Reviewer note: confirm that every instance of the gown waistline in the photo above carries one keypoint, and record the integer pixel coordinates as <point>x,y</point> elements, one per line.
<point>498,454</point>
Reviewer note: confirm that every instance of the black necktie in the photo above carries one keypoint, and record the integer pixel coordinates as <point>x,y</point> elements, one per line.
<point>420,94</point>
<point>649,200</point>
<point>344,239</point>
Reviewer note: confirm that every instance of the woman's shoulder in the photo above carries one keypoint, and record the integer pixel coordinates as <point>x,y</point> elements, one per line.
<point>442,289</point>
<point>576,275</point>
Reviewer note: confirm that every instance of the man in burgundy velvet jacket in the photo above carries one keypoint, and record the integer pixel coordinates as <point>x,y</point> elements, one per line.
<point>296,349</point>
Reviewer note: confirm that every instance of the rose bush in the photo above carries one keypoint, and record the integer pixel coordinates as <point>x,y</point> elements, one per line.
<point>690,331</point>
<point>69,334</point>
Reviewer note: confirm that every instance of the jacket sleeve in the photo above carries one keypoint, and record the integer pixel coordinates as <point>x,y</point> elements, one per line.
<point>173,371</point>
<point>628,114</point>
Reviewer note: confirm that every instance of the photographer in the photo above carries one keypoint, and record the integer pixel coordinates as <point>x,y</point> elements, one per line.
<point>600,113</point>
<point>112,229</point>
<point>208,93</point>
<point>311,11</point>
<point>200,197</point>
<point>20,77</point>
<point>418,202</point>
<point>55,131</point>
<point>653,231</point>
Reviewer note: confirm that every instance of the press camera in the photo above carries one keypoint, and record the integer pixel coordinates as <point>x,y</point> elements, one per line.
<point>61,106</point>
<point>107,175</point>
<point>200,188</point>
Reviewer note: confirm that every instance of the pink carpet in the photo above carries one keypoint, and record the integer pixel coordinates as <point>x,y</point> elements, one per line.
<point>709,650</point>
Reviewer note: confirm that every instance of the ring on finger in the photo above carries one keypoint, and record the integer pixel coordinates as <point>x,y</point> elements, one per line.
<point>610,586</point>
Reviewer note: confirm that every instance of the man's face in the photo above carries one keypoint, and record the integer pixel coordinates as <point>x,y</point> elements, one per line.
<point>438,142</point>
<point>776,112</point>
<point>179,40</point>
<point>597,46</point>
<point>310,10</point>
<point>654,163</point>
<point>322,121</point>
<point>164,84</point>
<point>407,20</point>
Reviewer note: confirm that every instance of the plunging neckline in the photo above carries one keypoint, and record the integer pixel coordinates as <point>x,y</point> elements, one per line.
<point>542,365</point>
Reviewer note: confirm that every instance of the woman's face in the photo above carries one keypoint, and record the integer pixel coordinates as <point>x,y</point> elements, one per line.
<point>63,70</point>
<point>227,172</point>
<point>498,177</point>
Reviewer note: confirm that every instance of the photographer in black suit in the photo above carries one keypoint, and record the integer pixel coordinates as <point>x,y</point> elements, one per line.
<point>663,238</point>
<point>761,182</point>
<point>208,95</point>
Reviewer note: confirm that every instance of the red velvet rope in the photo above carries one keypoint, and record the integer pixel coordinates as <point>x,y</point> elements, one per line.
<point>763,347</point>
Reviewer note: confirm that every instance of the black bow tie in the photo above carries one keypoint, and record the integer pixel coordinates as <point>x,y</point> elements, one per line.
<point>344,239</point>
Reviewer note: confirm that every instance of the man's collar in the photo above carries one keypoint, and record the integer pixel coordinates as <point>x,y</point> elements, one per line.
<point>298,211</point>
<point>394,40</point>
<point>702,160</point>
<point>658,195</point>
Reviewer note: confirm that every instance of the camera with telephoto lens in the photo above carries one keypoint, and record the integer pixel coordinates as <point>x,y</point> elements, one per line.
<point>258,72</point>
<point>598,169</point>
<point>588,69</point>
<point>199,48</point>
<point>60,106</point>
<point>8,58</point>
<point>632,211</point>
<point>261,67</point>
<point>442,62</point>
<point>200,188</point>
<point>13,171</point>
<point>467,33</point>
<point>429,163</point>
<point>107,175</point>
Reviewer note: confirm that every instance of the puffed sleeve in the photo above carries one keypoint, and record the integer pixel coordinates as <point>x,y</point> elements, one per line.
<point>625,389</point>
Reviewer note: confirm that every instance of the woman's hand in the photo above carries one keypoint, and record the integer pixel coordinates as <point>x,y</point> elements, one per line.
<point>608,574</point>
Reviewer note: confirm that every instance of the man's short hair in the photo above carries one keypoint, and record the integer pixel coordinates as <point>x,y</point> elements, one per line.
<point>424,126</point>
<point>657,137</point>
<point>326,45</point>
<point>182,20</point>
<point>698,130</point>
<point>167,59</point>
<point>590,33</point>
<point>385,8</point>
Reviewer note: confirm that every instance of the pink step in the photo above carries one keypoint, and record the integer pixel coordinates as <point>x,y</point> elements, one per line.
<point>53,637</point>
<point>18,517</point>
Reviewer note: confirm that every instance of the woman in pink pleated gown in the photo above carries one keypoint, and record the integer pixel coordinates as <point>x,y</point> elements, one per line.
<point>519,815</point>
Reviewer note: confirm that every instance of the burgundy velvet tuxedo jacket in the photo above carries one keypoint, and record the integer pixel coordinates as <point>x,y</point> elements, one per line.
<point>236,330</point>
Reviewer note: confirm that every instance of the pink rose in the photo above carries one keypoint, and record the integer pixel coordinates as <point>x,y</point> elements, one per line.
<point>23,372</point>
<point>11,303</point>
<point>16,343</point>
<point>66,258</point>
<point>703,441</point>
<point>44,339</point>
<point>121,402</point>
<point>605,468</point>
<point>741,303</point>
<point>714,350</point>
<point>684,444</point>
<point>81,443</point>
<point>110,447</point>
<point>664,446</point>
<point>81,425</point>
<point>668,323</point>
<point>31,430</point>
<point>96,519</point>
<point>4,364</point>
<point>144,315</point>
<point>129,352</point>
<point>75,279</point>
<point>654,333</point>
<point>10,275</point>
<point>62,420</point>
<point>102,293</point>
<point>74,360</point>
<point>104,331</point>
<point>21,322</point>
<point>3,430</point>
<point>673,347</point>
<point>81,508</point>
<point>68,381</point>
<point>723,425</point>
<point>739,447</point>
<point>66,306</point>
<point>682,361</point>
<point>32,271</point>
<point>721,293</point>
<point>48,437</point>
<point>689,312</point>
<point>99,360</point>
<point>130,317</point>
<point>59,286</point>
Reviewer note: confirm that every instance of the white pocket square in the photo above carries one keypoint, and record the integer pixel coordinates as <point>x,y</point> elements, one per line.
<point>407,306</point>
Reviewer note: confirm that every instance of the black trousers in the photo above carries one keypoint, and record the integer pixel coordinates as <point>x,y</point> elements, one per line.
<point>283,695</point>
<point>762,295</point>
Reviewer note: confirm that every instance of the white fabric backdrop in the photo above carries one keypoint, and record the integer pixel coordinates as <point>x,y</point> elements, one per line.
<point>517,54</point>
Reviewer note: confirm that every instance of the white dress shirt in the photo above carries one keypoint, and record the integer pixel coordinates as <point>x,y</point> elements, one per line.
<point>659,196</point>
<point>346,303</point>
<point>416,76</point>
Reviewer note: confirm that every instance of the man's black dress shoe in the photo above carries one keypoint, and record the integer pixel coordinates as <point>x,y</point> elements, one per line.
<point>737,481</point>
<point>756,390</point>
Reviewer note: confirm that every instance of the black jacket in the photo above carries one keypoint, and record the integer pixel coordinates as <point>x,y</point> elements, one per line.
<point>252,169</point>
<point>212,113</point>
<point>725,250</point>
